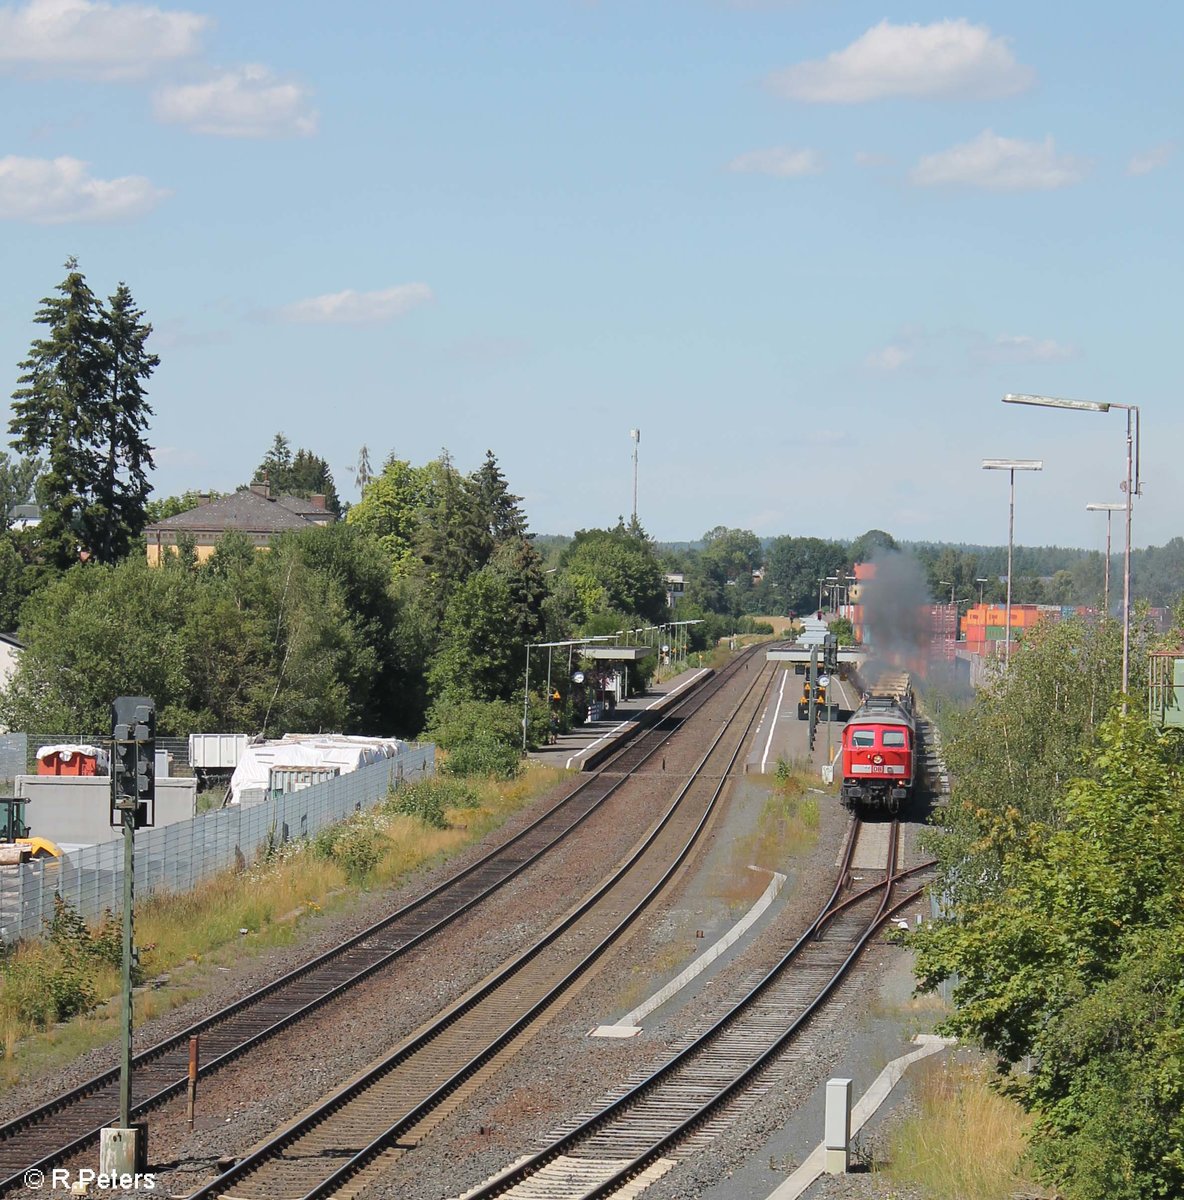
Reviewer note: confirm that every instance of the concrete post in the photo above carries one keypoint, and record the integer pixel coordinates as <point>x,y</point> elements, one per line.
<point>838,1126</point>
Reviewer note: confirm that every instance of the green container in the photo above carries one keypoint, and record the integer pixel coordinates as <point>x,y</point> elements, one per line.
<point>995,633</point>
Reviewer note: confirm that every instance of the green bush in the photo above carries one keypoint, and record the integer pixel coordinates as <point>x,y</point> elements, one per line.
<point>26,994</point>
<point>453,723</point>
<point>428,800</point>
<point>71,990</point>
<point>485,756</point>
<point>352,844</point>
<point>324,843</point>
<point>481,737</point>
<point>357,850</point>
<point>59,983</point>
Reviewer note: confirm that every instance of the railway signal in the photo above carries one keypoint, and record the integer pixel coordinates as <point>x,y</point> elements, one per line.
<point>124,1150</point>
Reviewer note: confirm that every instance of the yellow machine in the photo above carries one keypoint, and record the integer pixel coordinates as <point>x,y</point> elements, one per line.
<point>40,847</point>
<point>14,834</point>
<point>819,702</point>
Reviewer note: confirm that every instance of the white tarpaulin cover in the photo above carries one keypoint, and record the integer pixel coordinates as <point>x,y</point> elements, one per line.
<point>101,757</point>
<point>308,750</point>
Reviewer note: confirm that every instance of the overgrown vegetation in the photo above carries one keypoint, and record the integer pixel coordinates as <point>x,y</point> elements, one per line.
<point>1063,868</point>
<point>965,1141</point>
<point>73,974</point>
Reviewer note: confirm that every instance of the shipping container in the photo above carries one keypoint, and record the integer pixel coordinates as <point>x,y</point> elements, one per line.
<point>282,780</point>
<point>216,751</point>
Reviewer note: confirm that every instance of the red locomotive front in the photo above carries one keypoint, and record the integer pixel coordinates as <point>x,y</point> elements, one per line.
<point>878,755</point>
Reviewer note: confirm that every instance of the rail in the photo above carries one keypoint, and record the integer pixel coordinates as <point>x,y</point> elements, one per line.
<point>294,1150</point>
<point>44,1136</point>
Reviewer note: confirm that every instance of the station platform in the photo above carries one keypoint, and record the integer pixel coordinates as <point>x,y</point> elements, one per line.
<point>586,745</point>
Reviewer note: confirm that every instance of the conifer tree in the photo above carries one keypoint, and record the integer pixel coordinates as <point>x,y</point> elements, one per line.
<point>81,406</point>
<point>55,410</point>
<point>118,513</point>
<point>503,510</point>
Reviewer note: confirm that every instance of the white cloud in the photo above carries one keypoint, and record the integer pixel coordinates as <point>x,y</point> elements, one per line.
<point>950,58</point>
<point>95,39</point>
<point>867,158</point>
<point>358,308</point>
<point>779,161</point>
<point>891,358</point>
<point>1022,348</point>
<point>1000,164</point>
<point>52,191</point>
<point>1149,160</point>
<point>245,102</point>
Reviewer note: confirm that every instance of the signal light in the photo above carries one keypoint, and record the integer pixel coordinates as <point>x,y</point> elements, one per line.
<point>133,760</point>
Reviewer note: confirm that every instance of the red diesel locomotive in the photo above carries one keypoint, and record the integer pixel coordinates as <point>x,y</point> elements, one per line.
<point>879,747</point>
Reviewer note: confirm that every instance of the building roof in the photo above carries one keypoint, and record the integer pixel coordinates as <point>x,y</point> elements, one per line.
<point>244,510</point>
<point>306,508</point>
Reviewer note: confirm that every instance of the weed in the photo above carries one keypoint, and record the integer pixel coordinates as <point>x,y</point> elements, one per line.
<point>967,1142</point>
<point>192,932</point>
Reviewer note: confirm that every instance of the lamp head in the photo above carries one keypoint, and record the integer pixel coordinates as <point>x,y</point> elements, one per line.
<point>1013,464</point>
<point>1055,402</point>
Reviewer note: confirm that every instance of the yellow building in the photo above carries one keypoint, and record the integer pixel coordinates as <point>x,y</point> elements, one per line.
<point>253,512</point>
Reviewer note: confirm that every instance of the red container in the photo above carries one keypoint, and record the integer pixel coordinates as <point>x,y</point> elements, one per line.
<point>68,760</point>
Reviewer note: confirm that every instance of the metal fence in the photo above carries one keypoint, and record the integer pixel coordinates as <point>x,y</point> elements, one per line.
<point>177,857</point>
<point>14,756</point>
<point>178,747</point>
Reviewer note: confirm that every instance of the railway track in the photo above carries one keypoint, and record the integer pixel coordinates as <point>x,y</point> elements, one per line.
<point>639,1135</point>
<point>348,1140</point>
<point>68,1123</point>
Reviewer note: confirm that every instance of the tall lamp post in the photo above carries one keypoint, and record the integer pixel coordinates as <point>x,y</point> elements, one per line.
<point>1109,510</point>
<point>1011,465</point>
<point>1130,486</point>
<point>981,584</point>
<point>635,435</point>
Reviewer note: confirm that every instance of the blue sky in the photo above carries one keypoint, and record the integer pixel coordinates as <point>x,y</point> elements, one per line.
<point>804,247</point>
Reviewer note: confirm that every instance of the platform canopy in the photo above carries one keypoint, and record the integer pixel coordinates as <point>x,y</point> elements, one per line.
<point>801,654</point>
<point>626,654</point>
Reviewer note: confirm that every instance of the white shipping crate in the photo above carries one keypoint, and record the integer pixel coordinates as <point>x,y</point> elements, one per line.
<point>216,751</point>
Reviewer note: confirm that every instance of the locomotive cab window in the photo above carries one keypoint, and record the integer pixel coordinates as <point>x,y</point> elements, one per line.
<point>894,737</point>
<point>863,737</point>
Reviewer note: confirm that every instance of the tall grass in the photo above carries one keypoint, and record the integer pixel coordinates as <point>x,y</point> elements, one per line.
<point>186,936</point>
<point>786,827</point>
<point>966,1142</point>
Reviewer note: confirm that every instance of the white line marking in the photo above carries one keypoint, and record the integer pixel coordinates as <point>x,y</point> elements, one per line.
<point>773,723</point>
<point>861,1112</point>
<point>625,724</point>
<point>627,1026</point>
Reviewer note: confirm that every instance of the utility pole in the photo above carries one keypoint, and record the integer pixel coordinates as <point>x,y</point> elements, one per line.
<point>635,434</point>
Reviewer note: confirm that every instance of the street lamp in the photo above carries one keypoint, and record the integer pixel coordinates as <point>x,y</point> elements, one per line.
<point>1130,486</point>
<point>981,583</point>
<point>1011,465</point>
<point>1108,509</point>
<point>951,586</point>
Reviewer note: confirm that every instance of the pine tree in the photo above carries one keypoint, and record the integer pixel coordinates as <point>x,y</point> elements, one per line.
<point>363,472</point>
<point>118,513</point>
<point>81,405</point>
<point>276,465</point>
<point>56,411</point>
<point>503,510</point>
<point>303,474</point>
